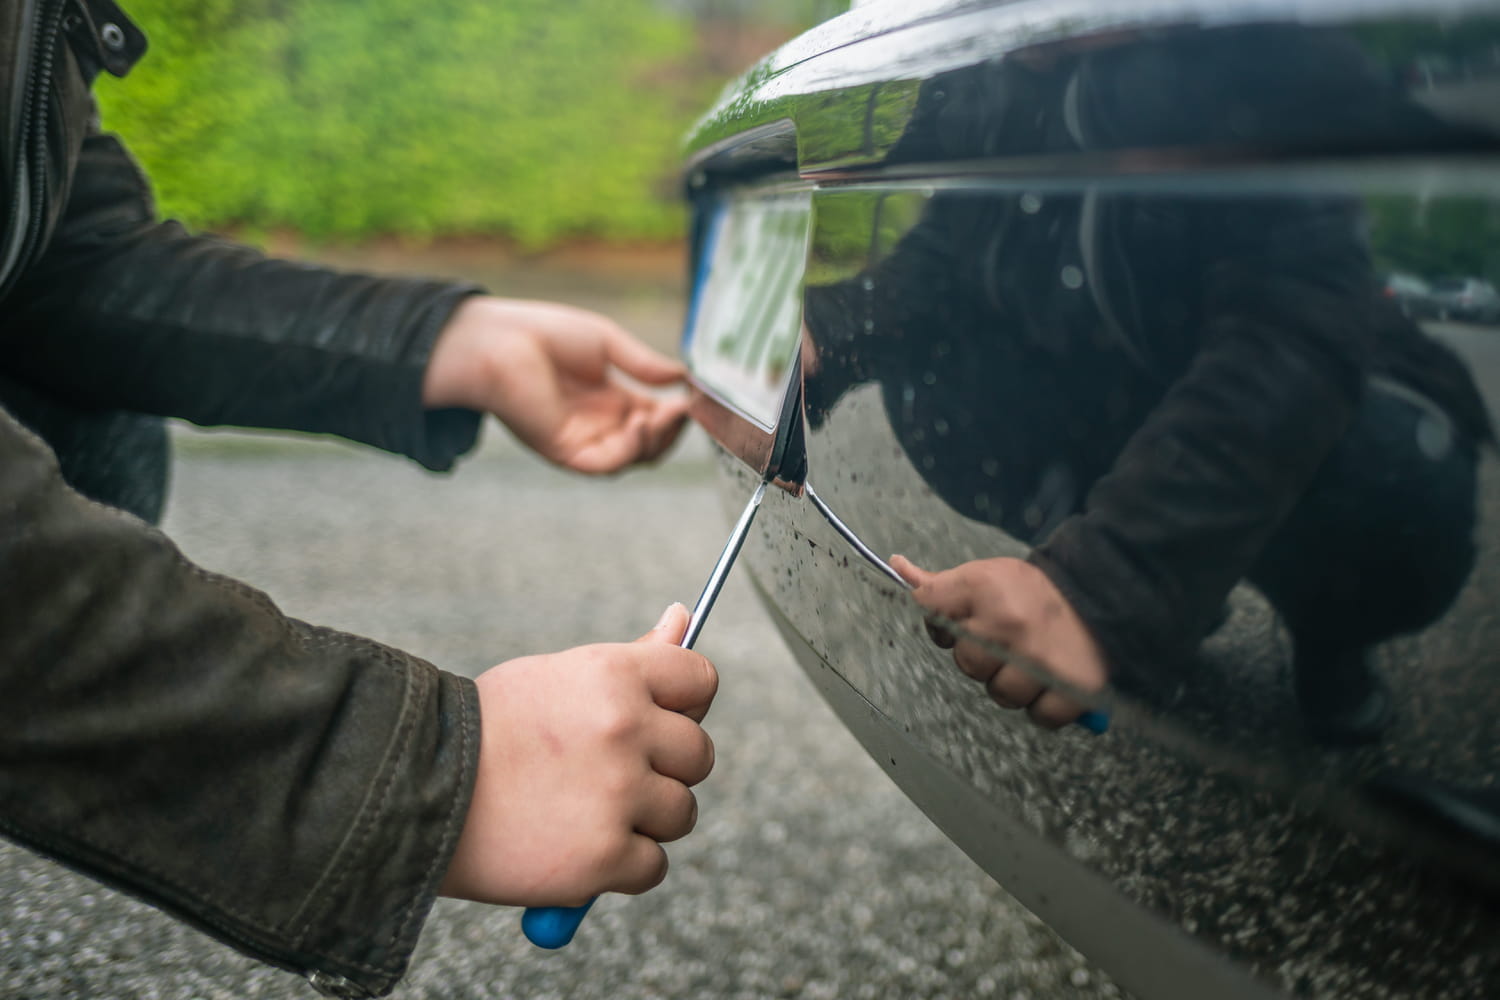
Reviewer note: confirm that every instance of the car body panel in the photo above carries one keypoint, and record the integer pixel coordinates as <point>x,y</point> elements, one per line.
<point>1010,265</point>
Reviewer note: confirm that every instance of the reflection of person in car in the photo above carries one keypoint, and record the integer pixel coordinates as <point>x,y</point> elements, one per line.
<point>1165,395</point>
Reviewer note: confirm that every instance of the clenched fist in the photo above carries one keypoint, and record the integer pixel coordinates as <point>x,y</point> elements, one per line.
<point>585,763</point>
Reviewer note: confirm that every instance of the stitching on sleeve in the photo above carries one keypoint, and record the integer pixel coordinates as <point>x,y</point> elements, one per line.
<point>354,852</point>
<point>408,926</point>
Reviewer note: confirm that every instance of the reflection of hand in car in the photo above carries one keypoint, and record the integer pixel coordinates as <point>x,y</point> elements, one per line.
<point>586,758</point>
<point>1013,604</point>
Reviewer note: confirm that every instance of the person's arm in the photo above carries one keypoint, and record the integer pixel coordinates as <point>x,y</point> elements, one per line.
<point>295,791</point>
<point>126,312</point>
<point>1202,486</point>
<point>1126,589</point>
<point>300,793</point>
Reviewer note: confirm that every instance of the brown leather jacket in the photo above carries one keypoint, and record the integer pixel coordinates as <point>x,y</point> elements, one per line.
<point>292,790</point>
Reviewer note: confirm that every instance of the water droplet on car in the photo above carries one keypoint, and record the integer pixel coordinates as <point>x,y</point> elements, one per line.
<point>928,378</point>
<point>868,283</point>
<point>1031,203</point>
<point>1072,277</point>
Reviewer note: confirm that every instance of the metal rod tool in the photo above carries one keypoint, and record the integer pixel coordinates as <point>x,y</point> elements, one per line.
<point>554,926</point>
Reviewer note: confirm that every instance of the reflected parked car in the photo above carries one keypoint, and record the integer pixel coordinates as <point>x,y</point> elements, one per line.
<point>1086,290</point>
<point>1471,299</point>
<point>1412,294</point>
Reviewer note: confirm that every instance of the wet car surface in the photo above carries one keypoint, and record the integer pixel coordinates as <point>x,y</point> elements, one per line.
<point>1103,287</point>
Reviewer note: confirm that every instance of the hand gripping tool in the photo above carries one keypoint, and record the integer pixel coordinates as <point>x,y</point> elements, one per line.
<point>554,926</point>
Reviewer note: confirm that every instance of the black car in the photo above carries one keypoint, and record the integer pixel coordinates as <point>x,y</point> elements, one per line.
<point>1095,291</point>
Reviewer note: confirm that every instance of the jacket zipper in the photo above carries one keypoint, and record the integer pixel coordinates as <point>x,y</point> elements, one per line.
<point>33,140</point>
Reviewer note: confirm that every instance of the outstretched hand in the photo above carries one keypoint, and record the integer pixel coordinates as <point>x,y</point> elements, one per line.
<point>550,372</point>
<point>586,758</point>
<point>1011,604</point>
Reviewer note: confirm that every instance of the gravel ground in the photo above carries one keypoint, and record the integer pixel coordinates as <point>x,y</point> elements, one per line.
<point>809,875</point>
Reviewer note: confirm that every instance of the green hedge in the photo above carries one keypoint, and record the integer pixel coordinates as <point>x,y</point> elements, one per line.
<point>538,120</point>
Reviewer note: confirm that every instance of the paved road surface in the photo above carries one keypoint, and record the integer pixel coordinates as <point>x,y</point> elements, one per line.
<point>809,874</point>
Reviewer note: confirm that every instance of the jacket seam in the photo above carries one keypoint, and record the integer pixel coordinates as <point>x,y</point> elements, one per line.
<point>121,853</point>
<point>450,828</point>
<point>59,849</point>
<point>345,858</point>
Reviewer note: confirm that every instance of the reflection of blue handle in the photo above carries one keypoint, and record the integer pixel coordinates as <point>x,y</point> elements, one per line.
<point>1095,722</point>
<point>553,926</point>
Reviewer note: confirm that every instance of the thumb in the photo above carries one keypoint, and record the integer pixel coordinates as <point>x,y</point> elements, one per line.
<point>670,628</point>
<point>910,571</point>
<point>919,578</point>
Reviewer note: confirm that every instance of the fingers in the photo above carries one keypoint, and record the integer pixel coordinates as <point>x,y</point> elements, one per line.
<point>628,429</point>
<point>638,361</point>
<point>975,660</point>
<point>947,593</point>
<point>621,445</point>
<point>1012,687</point>
<point>663,425</point>
<point>670,627</point>
<point>640,866</point>
<point>920,580</point>
<point>1003,612</point>
<point>910,571</point>
<point>1009,685</point>
<point>679,680</point>
<point>1053,711</point>
<point>667,811</point>
<point>679,748</point>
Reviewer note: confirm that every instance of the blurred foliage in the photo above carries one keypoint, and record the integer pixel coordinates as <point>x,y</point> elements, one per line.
<point>852,230</point>
<point>799,14</point>
<point>1448,236</point>
<point>1419,48</point>
<point>532,119</point>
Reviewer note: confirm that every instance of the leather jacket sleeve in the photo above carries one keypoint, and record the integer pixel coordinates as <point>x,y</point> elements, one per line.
<point>294,791</point>
<point>125,312</point>
<point>1203,485</point>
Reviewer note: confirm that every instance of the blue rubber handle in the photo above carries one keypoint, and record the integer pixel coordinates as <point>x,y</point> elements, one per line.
<point>1095,722</point>
<point>553,926</point>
